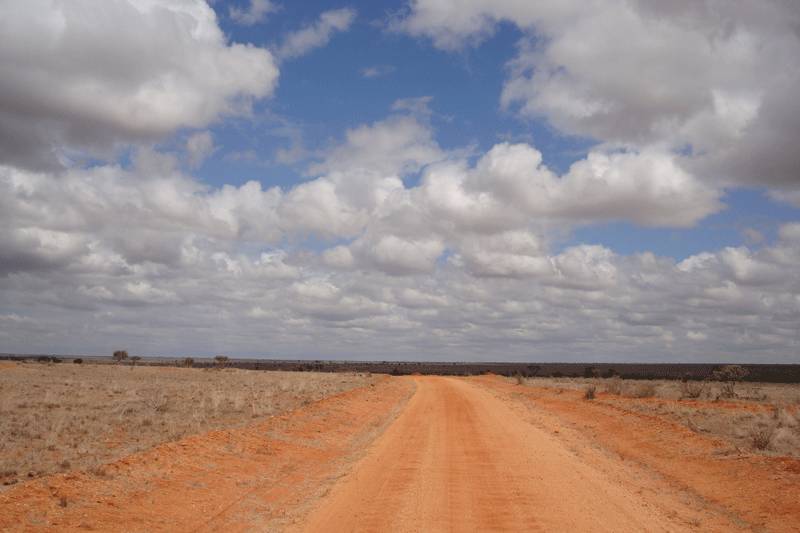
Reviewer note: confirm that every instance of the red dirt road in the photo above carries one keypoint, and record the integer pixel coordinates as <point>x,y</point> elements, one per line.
<point>475,454</point>
<point>460,459</point>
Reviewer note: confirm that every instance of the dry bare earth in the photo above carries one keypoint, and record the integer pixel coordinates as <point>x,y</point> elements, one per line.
<point>761,418</point>
<point>62,417</point>
<point>462,454</point>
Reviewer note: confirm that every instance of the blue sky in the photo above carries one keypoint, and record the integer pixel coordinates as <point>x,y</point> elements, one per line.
<point>401,180</point>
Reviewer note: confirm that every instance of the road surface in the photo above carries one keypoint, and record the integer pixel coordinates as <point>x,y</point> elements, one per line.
<point>459,458</point>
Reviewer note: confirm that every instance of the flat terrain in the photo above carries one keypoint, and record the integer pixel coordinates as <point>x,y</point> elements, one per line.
<point>434,454</point>
<point>61,417</point>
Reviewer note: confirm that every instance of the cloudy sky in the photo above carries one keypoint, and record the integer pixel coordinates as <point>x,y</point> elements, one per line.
<point>563,180</point>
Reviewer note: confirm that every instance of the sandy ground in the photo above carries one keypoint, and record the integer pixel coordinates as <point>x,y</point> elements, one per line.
<point>429,454</point>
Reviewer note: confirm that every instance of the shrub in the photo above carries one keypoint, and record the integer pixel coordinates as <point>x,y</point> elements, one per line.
<point>692,389</point>
<point>729,375</point>
<point>78,361</point>
<point>135,359</point>
<point>520,379</point>
<point>188,362</point>
<point>614,385</point>
<point>221,361</point>
<point>120,355</point>
<point>642,390</point>
<point>155,399</point>
<point>761,438</point>
<point>589,392</point>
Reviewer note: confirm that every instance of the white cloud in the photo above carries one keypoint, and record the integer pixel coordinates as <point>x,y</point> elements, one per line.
<point>399,256</point>
<point>160,67</point>
<point>397,145</point>
<point>255,12</point>
<point>719,78</point>
<point>648,187</point>
<point>377,71</point>
<point>359,263</point>
<point>316,35</point>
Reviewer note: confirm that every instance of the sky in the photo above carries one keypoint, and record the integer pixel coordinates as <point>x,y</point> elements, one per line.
<point>486,180</point>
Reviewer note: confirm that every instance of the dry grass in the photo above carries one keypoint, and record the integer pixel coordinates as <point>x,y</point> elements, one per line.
<point>761,418</point>
<point>63,416</point>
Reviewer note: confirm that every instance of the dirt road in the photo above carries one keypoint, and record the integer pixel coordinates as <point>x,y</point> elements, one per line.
<point>460,459</point>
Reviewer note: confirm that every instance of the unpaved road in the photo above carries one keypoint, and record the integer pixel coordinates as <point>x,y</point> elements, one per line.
<point>428,454</point>
<point>460,459</point>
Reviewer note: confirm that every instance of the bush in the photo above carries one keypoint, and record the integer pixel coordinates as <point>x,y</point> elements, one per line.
<point>78,361</point>
<point>120,355</point>
<point>520,379</point>
<point>188,362</point>
<point>221,361</point>
<point>642,390</point>
<point>692,389</point>
<point>729,375</point>
<point>589,392</point>
<point>761,438</point>
<point>614,385</point>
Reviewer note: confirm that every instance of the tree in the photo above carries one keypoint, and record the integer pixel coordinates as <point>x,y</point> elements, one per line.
<point>188,362</point>
<point>134,359</point>
<point>120,355</point>
<point>221,361</point>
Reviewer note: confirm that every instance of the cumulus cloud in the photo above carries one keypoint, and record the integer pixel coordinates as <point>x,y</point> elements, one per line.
<point>514,298</point>
<point>160,67</point>
<point>255,12</point>
<point>398,144</point>
<point>688,76</point>
<point>648,187</point>
<point>316,35</point>
<point>413,277</point>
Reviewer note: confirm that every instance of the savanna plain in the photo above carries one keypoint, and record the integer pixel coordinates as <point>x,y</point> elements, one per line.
<point>142,448</point>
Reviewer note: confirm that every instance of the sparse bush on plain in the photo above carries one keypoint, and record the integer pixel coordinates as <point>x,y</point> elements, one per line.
<point>729,376</point>
<point>692,389</point>
<point>221,361</point>
<point>641,390</point>
<point>761,438</point>
<point>589,392</point>
<point>520,379</point>
<point>188,362</point>
<point>614,385</point>
<point>120,355</point>
<point>62,417</point>
<point>156,400</point>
